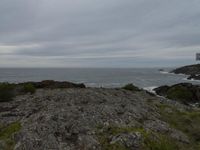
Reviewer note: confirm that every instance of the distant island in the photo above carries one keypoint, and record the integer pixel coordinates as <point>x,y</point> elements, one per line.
<point>193,71</point>
<point>64,115</point>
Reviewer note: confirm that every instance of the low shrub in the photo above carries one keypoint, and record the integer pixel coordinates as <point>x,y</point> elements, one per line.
<point>131,87</point>
<point>29,88</point>
<point>180,93</point>
<point>6,92</point>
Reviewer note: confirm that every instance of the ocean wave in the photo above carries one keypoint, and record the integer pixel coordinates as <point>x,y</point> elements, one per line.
<point>165,72</point>
<point>150,89</point>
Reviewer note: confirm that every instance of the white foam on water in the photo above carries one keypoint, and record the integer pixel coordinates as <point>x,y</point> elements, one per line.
<point>150,89</point>
<point>192,80</point>
<point>164,72</point>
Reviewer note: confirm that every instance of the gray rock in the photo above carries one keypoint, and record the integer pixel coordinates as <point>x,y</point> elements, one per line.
<point>68,119</point>
<point>130,140</point>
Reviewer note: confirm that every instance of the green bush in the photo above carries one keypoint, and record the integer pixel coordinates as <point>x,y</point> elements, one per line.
<point>29,88</point>
<point>6,92</point>
<point>180,93</point>
<point>131,87</point>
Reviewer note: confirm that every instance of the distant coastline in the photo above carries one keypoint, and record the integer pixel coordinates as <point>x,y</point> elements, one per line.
<point>192,71</point>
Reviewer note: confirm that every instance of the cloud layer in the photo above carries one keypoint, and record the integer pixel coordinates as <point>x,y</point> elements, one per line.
<point>98,33</point>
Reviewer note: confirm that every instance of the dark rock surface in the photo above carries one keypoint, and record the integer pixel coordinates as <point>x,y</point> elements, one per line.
<point>193,71</point>
<point>194,77</point>
<point>183,92</point>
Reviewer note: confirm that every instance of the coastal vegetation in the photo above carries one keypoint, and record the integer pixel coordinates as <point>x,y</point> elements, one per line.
<point>146,140</point>
<point>186,121</point>
<point>184,92</point>
<point>131,87</point>
<point>10,90</point>
<point>6,92</point>
<point>6,135</point>
<point>29,88</point>
<point>180,93</point>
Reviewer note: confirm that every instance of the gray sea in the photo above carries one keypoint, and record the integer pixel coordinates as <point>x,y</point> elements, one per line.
<point>96,77</point>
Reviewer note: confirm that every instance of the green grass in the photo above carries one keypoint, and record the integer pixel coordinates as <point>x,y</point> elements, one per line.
<point>151,140</point>
<point>131,87</point>
<point>6,133</point>
<point>186,121</point>
<point>156,141</point>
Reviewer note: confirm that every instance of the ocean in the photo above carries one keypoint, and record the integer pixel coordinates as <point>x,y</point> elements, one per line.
<point>96,77</point>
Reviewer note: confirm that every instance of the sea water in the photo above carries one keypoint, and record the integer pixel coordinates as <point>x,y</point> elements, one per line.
<point>96,77</point>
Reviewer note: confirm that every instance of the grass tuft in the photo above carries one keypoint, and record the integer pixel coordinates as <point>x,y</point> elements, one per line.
<point>6,135</point>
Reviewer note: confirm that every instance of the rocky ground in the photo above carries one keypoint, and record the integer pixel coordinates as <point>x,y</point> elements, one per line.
<point>97,119</point>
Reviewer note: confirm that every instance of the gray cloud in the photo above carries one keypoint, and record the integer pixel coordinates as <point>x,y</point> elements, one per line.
<point>98,33</point>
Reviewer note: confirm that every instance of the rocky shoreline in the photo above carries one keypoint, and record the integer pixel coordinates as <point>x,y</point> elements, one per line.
<point>80,118</point>
<point>193,71</point>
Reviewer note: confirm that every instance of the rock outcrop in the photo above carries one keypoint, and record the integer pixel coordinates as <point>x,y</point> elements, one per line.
<point>194,77</point>
<point>193,71</point>
<point>96,119</point>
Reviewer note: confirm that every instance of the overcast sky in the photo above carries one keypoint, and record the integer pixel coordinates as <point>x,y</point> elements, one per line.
<point>98,33</point>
